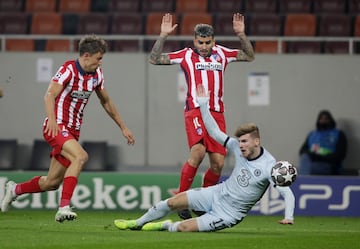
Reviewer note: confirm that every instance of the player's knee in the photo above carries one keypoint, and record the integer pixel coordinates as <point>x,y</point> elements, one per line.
<point>217,167</point>
<point>81,158</point>
<point>172,203</point>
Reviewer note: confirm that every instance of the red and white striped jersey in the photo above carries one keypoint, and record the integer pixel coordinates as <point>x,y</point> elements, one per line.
<point>206,71</point>
<point>77,88</point>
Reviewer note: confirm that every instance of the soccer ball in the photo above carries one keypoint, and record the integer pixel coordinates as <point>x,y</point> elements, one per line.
<point>283,173</point>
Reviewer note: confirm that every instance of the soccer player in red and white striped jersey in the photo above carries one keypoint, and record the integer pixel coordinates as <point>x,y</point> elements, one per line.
<point>204,64</point>
<point>65,100</point>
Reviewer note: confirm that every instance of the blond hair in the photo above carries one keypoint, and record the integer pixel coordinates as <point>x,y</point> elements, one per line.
<point>249,128</point>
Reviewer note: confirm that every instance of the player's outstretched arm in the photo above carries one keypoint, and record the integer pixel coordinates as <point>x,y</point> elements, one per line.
<point>156,56</point>
<point>210,124</point>
<point>246,52</point>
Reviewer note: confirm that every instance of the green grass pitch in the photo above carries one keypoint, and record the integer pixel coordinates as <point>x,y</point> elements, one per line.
<point>95,229</point>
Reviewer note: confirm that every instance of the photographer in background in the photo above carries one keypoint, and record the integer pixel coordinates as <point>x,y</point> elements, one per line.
<point>324,149</point>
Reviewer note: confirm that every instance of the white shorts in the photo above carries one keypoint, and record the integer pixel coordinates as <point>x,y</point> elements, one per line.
<point>209,200</point>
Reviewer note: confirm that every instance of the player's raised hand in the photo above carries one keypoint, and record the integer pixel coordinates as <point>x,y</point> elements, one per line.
<point>200,91</point>
<point>166,25</point>
<point>201,94</point>
<point>286,222</point>
<point>238,23</point>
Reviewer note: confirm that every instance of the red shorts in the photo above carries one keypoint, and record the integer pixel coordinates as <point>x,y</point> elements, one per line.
<point>196,131</point>
<point>58,141</point>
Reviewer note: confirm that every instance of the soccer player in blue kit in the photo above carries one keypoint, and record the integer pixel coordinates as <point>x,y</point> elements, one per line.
<point>225,204</point>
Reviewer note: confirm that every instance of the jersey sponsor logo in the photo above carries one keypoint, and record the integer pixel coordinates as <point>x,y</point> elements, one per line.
<point>244,177</point>
<point>208,66</point>
<point>80,94</point>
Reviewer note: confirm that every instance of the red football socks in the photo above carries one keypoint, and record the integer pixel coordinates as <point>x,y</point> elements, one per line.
<point>188,173</point>
<point>69,185</point>
<point>210,178</point>
<point>31,186</point>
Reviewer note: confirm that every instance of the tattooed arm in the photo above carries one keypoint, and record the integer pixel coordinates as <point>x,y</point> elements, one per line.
<point>246,53</point>
<point>156,56</point>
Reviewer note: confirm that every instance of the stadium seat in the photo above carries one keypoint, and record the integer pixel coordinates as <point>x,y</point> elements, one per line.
<point>335,25</point>
<point>8,149</point>
<point>7,6</point>
<point>260,6</point>
<point>128,6</point>
<point>223,24</point>
<point>127,24</point>
<point>225,6</point>
<point>189,20</point>
<point>353,7</point>
<point>68,23</point>
<point>357,33</point>
<point>304,47</point>
<point>153,23</point>
<point>268,47</point>
<point>17,45</point>
<point>74,6</point>
<point>93,23</point>
<point>100,5</point>
<point>40,6</point>
<point>14,23</point>
<point>300,25</point>
<point>329,6</point>
<point>357,26</point>
<point>295,6</point>
<point>40,155</point>
<point>46,23</point>
<point>191,6</point>
<point>336,47</point>
<point>265,25</point>
<point>58,46</point>
<point>161,6</point>
<point>97,152</point>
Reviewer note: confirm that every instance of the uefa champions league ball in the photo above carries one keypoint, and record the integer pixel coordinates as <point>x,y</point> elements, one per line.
<point>283,173</point>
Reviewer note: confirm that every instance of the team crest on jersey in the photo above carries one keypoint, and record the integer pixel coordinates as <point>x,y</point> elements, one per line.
<point>64,133</point>
<point>94,81</point>
<point>208,66</point>
<point>199,131</point>
<point>257,172</point>
<point>216,57</point>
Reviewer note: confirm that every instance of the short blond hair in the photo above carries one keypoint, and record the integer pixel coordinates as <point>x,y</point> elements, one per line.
<point>249,128</point>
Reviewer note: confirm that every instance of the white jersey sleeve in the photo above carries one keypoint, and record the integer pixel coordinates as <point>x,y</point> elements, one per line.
<point>211,126</point>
